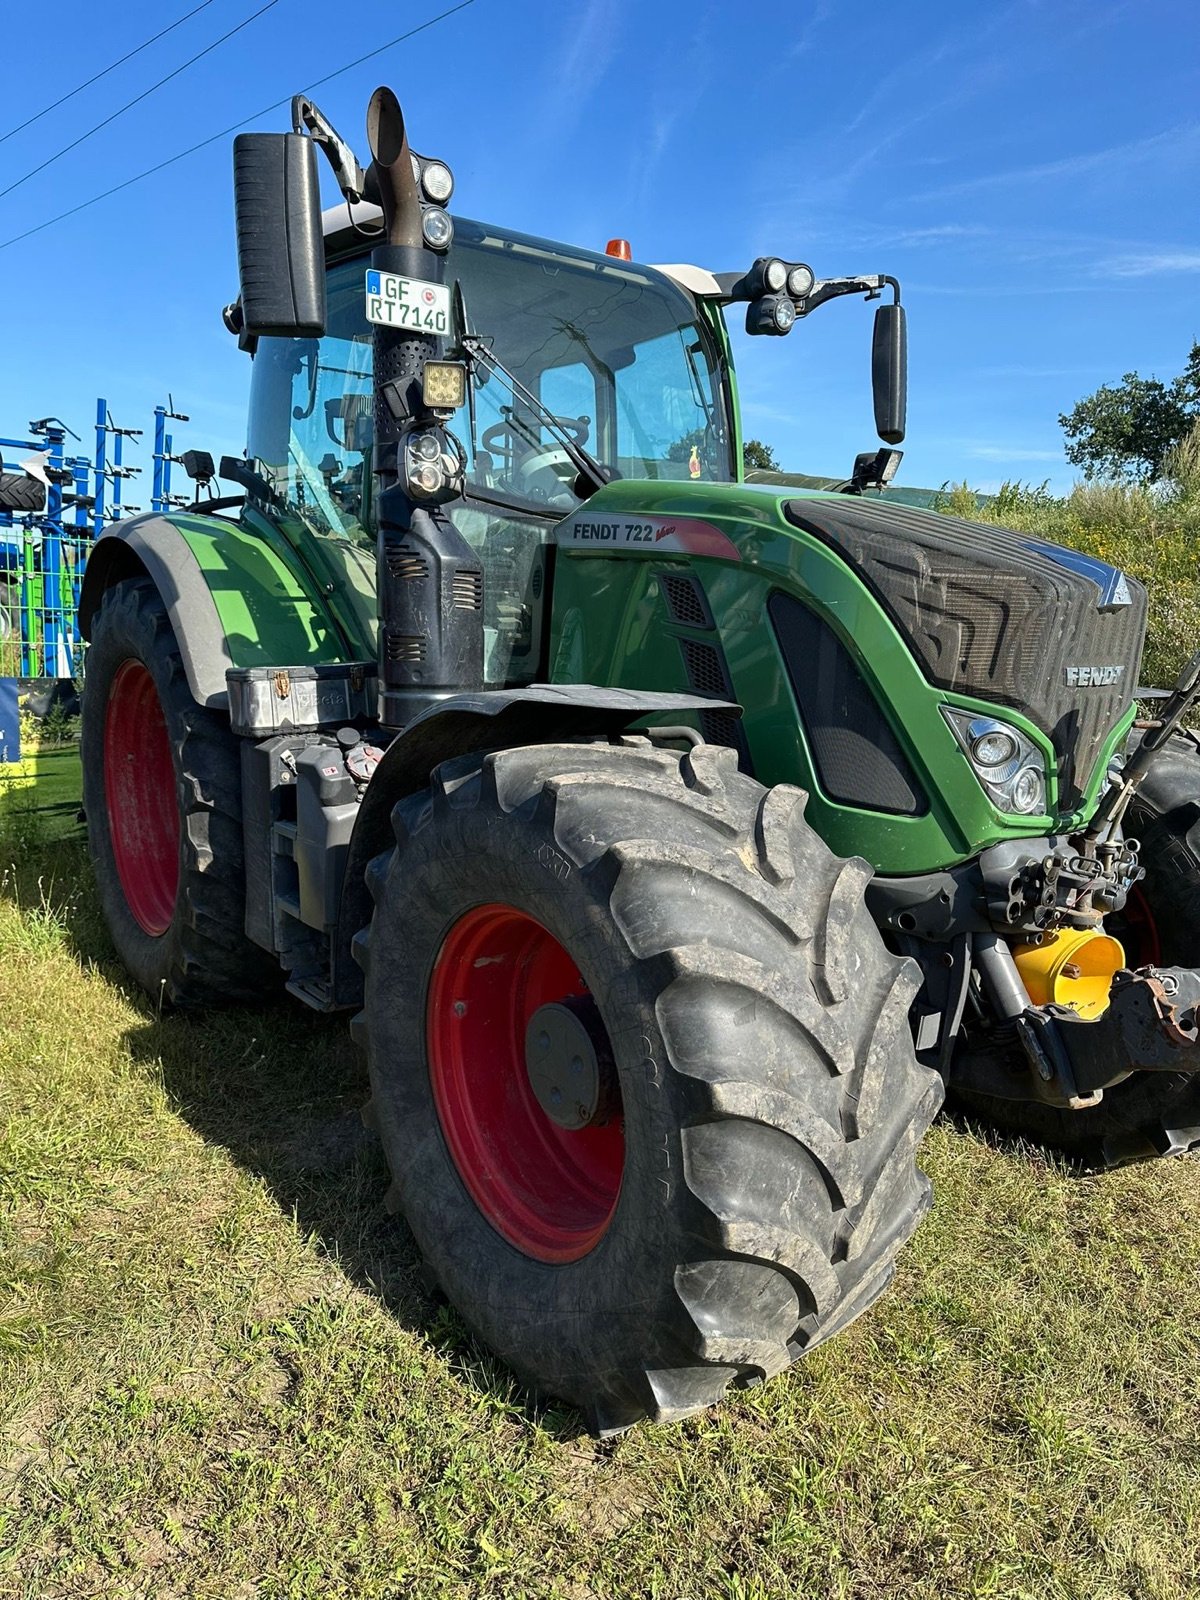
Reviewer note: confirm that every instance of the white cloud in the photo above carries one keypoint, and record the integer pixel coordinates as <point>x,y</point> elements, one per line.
<point>1149,264</point>
<point>1116,159</point>
<point>1011,452</point>
<point>588,50</point>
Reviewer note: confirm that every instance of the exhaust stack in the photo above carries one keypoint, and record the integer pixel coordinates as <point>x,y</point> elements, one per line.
<point>429,580</point>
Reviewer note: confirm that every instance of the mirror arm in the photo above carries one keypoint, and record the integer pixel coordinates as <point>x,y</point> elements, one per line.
<point>869,284</point>
<point>307,117</point>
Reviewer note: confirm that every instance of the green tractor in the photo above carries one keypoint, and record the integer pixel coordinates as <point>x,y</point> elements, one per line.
<point>675,842</point>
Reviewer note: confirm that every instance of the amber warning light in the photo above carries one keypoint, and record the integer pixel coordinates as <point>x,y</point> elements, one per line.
<point>619,248</point>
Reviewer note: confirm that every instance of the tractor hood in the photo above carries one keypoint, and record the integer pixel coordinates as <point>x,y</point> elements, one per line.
<point>992,615</point>
<point>1000,616</point>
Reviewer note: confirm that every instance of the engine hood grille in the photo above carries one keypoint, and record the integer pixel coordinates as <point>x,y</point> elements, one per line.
<point>1001,616</point>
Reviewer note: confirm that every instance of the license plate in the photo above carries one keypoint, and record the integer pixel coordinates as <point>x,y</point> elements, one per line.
<point>398,302</point>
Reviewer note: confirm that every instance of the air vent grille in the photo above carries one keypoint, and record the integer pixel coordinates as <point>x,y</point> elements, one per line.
<point>705,668</point>
<point>685,601</point>
<point>405,646</point>
<point>405,564</point>
<point>467,588</point>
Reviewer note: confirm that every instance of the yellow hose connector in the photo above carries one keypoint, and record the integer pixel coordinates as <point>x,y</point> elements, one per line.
<point>1073,968</point>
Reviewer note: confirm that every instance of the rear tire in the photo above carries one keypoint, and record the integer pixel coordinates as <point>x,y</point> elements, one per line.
<point>162,794</point>
<point>769,1105</point>
<point>1149,1114</point>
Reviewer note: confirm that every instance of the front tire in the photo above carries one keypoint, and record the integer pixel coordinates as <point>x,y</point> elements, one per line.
<point>750,1173</point>
<point>162,795</point>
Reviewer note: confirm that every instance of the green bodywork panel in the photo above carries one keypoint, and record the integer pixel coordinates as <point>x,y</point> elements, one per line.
<point>611,626</point>
<point>284,597</point>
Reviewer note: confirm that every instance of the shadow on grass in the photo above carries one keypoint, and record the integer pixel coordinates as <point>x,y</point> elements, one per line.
<point>1027,1147</point>
<point>281,1089</point>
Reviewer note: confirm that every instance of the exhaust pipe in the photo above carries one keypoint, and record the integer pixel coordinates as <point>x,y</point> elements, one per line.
<point>429,580</point>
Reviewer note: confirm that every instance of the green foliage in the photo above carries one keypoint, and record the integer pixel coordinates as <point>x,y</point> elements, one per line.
<point>1126,430</point>
<point>1151,532</point>
<point>756,454</point>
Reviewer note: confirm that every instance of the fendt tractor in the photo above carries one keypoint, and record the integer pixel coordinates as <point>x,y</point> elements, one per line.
<point>676,842</point>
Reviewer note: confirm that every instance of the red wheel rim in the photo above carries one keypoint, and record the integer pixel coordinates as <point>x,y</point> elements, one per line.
<point>139,790</point>
<point>548,1190</point>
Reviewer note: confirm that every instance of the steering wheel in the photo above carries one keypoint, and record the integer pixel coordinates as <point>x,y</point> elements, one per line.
<point>546,471</point>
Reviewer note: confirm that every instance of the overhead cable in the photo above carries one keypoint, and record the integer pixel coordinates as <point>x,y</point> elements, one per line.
<point>103,73</point>
<point>233,127</point>
<point>129,104</point>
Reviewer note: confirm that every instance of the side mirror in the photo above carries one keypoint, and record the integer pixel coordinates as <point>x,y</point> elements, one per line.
<point>889,372</point>
<point>281,257</point>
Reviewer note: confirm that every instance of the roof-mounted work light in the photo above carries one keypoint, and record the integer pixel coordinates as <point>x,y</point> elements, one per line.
<point>771,314</point>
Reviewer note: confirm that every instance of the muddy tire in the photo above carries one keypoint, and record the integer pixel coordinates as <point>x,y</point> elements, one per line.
<point>162,794</point>
<point>1151,1113</point>
<point>750,1173</point>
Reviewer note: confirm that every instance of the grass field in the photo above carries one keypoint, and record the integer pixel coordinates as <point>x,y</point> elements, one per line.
<point>220,1374</point>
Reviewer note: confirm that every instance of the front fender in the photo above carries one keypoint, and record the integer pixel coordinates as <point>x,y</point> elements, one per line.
<point>496,719</point>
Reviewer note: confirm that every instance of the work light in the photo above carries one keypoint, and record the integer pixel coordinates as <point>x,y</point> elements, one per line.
<point>437,181</point>
<point>437,228</point>
<point>771,314</point>
<point>800,280</point>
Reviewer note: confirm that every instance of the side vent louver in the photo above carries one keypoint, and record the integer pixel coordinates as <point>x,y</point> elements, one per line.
<point>858,758</point>
<point>467,588</point>
<point>705,668</point>
<point>405,646</point>
<point>404,563</point>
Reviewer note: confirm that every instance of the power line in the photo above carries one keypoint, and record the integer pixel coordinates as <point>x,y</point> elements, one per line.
<point>129,104</point>
<point>233,128</point>
<point>103,73</point>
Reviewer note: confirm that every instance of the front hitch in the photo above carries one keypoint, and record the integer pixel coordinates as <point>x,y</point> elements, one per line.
<point>1150,1025</point>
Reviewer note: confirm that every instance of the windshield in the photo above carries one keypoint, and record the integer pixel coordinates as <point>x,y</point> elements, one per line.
<point>616,354</point>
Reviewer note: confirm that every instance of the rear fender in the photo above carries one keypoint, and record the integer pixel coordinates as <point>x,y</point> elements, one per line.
<point>153,547</point>
<point>233,598</point>
<point>497,719</point>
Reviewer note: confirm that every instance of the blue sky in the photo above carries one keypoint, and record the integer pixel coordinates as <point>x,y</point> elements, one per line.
<point>1028,170</point>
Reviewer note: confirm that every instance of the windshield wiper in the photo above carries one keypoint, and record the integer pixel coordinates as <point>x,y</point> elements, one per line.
<point>592,475</point>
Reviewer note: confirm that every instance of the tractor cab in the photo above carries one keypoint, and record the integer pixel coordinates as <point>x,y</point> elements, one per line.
<point>619,356</point>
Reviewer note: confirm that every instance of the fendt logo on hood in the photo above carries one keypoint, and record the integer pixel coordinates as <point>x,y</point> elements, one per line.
<point>1092,677</point>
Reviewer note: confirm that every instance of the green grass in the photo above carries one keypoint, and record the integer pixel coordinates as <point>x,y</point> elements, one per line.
<point>221,1376</point>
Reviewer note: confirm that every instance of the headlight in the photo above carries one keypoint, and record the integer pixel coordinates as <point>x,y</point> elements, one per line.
<point>1009,767</point>
<point>434,463</point>
<point>437,228</point>
<point>993,749</point>
<point>774,276</point>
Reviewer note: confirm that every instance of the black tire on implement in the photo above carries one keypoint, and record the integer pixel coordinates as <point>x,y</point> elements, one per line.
<point>202,957</point>
<point>1149,1114</point>
<point>772,1102</point>
<point>21,492</point>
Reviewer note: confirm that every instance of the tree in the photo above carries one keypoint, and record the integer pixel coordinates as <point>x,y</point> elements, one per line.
<point>1124,430</point>
<point>757,454</point>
